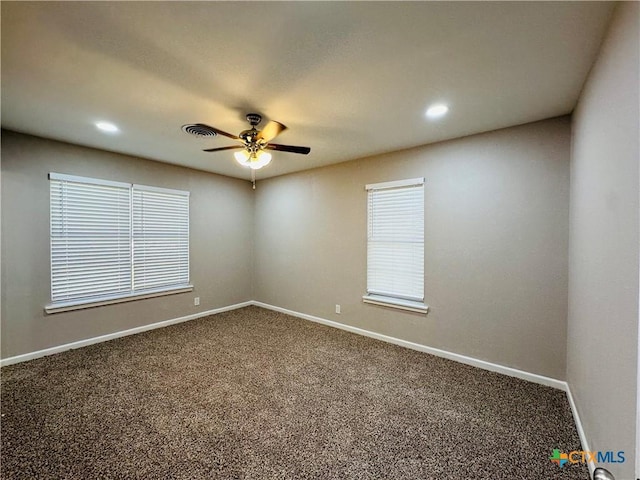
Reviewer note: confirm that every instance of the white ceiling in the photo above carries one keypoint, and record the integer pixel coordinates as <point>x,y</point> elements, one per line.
<point>349,79</point>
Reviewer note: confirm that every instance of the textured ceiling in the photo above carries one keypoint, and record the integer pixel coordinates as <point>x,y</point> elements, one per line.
<point>349,79</point>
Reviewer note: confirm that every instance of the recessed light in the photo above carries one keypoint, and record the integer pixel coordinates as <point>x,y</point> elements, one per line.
<point>437,110</point>
<point>107,127</point>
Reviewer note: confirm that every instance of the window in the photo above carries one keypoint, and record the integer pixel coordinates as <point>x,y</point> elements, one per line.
<point>395,244</point>
<point>113,241</point>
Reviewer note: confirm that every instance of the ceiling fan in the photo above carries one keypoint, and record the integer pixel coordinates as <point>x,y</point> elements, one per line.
<point>254,142</point>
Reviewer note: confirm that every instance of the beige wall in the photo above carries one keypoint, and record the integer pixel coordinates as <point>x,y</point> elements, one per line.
<point>221,242</point>
<point>497,208</point>
<point>604,241</point>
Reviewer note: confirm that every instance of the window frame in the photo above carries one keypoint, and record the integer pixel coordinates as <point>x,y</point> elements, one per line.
<point>390,299</point>
<point>132,293</point>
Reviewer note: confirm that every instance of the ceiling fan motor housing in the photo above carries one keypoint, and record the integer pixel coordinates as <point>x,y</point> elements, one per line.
<point>249,136</point>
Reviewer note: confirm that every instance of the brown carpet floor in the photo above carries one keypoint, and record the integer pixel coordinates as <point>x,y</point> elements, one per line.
<point>254,394</point>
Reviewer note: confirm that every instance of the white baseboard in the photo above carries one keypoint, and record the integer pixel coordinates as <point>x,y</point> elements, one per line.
<point>493,367</point>
<point>111,336</point>
<point>583,437</point>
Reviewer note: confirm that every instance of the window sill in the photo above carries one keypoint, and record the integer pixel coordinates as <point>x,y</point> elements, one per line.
<point>99,302</point>
<point>407,305</point>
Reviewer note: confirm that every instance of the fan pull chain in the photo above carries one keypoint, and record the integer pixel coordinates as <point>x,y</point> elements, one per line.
<point>253,178</point>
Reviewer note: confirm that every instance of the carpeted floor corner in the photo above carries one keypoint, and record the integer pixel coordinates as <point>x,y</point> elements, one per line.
<point>254,394</point>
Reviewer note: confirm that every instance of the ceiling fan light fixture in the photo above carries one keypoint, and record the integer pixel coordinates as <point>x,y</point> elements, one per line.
<point>254,161</point>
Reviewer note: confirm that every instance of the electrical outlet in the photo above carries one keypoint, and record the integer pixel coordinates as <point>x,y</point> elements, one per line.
<point>196,301</point>
<point>337,308</point>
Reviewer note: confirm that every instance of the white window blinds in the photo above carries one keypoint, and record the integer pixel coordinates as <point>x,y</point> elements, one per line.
<point>90,238</point>
<point>395,246</point>
<point>160,237</point>
<point>111,240</point>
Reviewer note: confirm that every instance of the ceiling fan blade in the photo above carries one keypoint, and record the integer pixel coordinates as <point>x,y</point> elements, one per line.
<point>219,149</point>
<point>219,132</point>
<point>271,131</point>
<point>288,148</point>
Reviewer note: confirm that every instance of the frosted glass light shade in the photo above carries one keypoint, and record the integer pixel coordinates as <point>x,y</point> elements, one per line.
<point>259,160</point>
<point>262,159</point>
<point>243,157</point>
<point>256,161</point>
